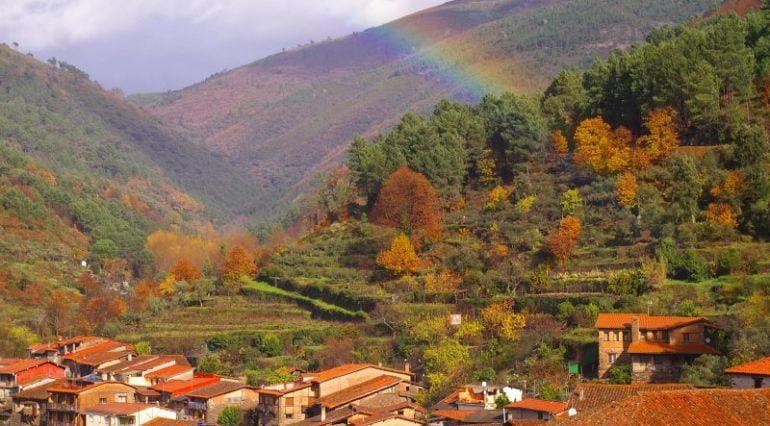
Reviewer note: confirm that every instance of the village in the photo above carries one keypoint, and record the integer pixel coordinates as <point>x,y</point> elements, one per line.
<point>95,381</point>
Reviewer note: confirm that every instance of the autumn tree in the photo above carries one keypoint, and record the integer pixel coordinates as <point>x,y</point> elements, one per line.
<point>721,215</point>
<point>336,193</point>
<point>559,142</point>
<point>184,270</point>
<point>408,201</point>
<point>571,202</point>
<point>238,264</point>
<point>500,319</point>
<point>563,240</point>
<point>662,137</point>
<point>599,148</point>
<point>625,190</point>
<point>401,258</point>
<point>497,198</point>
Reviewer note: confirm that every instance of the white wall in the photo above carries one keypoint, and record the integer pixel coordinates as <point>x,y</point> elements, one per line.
<point>747,382</point>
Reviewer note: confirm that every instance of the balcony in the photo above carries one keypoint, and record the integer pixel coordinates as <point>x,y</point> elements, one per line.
<point>56,406</point>
<point>196,406</point>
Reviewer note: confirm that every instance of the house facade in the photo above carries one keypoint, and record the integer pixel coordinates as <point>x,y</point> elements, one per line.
<point>207,403</point>
<point>126,414</point>
<point>535,409</point>
<point>752,375</point>
<point>27,373</point>
<point>656,347</point>
<point>69,399</point>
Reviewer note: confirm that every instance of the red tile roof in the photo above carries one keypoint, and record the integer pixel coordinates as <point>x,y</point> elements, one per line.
<point>650,348</point>
<point>646,322</point>
<point>590,396</point>
<point>346,369</point>
<point>78,386</point>
<point>702,407</point>
<point>22,365</point>
<point>215,389</point>
<point>52,346</point>
<point>356,392</point>
<point>534,404</point>
<point>760,367</point>
<point>169,372</point>
<point>8,361</point>
<point>141,363</point>
<point>180,387</point>
<point>101,353</point>
<point>459,415</point>
<point>121,408</point>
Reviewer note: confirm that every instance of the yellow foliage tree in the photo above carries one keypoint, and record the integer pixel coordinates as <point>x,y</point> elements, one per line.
<point>497,198</point>
<point>626,189</point>
<point>401,258</point>
<point>559,142</point>
<point>599,148</point>
<point>524,205</point>
<point>730,188</point>
<point>500,319</point>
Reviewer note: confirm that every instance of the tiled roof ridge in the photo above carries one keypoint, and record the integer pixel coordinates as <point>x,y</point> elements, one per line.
<point>759,367</point>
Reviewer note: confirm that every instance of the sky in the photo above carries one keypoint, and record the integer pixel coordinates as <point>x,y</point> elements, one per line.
<point>157,45</point>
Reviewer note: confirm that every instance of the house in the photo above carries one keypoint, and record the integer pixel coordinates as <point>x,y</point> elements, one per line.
<point>21,374</point>
<point>591,397</point>
<point>466,417</point>
<point>535,409</point>
<point>477,397</point>
<point>656,347</point>
<point>148,370</point>
<point>403,414</point>
<point>87,360</point>
<point>174,389</point>
<point>698,407</point>
<point>318,394</point>
<point>207,402</point>
<point>68,399</point>
<point>755,374</point>
<point>56,350</point>
<point>126,414</point>
<point>30,406</point>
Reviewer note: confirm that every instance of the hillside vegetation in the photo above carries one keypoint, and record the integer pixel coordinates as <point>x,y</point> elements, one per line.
<point>288,117</point>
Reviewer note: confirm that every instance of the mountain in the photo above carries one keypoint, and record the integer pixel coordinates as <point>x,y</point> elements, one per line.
<point>86,175</point>
<point>290,116</point>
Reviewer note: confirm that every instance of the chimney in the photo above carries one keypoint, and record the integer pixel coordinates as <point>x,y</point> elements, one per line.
<point>406,366</point>
<point>379,364</point>
<point>581,394</point>
<point>323,413</point>
<point>635,329</point>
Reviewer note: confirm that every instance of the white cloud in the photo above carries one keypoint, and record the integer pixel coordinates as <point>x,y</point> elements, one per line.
<point>142,45</point>
<point>43,24</point>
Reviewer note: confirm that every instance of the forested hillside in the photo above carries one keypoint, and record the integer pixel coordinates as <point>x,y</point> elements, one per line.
<point>290,116</point>
<point>638,185</point>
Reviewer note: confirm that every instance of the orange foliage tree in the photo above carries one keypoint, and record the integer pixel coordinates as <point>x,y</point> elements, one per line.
<point>238,263</point>
<point>721,215</point>
<point>731,187</point>
<point>407,200</point>
<point>625,191</point>
<point>141,292</point>
<point>184,270</point>
<point>401,258</point>
<point>98,310</point>
<point>169,247</point>
<point>662,137</point>
<point>563,240</point>
<point>559,142</point>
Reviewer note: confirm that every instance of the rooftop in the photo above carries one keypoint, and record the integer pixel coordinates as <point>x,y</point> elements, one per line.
<point>458,415</point>
<point>358,391</point>
<point>346,369</point>
<point>534,404</point>
<point>180,387</point>
<point>21,365</point>
<point>596,395</point>
<point>760,367</point>
<point>646,322</point>
<point>144,363</point>
<point>78,386</point>
<point>215,389</point>
<point>169,372</point>
<point>652,348</point>
<point>100,353</point>
<point>701,407</point>
<point>52,346</point>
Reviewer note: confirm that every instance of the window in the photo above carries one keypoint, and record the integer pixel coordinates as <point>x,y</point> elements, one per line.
<point>757,382</point>
<point>290,401</point>
<point>400,412</point>
<point>289,415</point>
<point>644,359</point>
<point>126,421</point>
<point>658,360</point>
<point>613,357</point>
<point>615,336</point>
<point>102,400</point>
<point>686,337</point>
<point>540,415</point>
<point>665,336</point>
<point>121,397</point>
<point>606,336</point>
<point>626,336</point>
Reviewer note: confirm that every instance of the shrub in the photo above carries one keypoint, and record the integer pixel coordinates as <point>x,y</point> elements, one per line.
<point>620,374</point>
<point>230,416</point>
